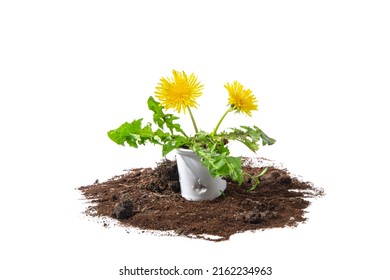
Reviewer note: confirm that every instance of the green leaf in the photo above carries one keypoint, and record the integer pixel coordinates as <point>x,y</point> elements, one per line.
<point>127,132</point>
<point>266,139</point>
<point>257,179</point>
<point>263,172</point>
<point>174,143</point>
<point>234,165</point>
<point>214,155</point>
<point>134,134</point>
<point>161,136</point>
<point>161,119</point>
<point>248,136</point>
<point>158,116</point>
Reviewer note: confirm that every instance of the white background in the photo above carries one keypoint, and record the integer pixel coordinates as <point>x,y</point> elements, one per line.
<point>72,70</point>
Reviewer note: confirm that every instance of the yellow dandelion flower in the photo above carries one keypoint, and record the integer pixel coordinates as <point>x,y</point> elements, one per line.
<point>179,92</point>
<point>240,99</point>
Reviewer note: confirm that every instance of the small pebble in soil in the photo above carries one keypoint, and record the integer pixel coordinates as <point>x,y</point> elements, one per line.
<point>124,208</point>
<point>174,186</point>
<point>258,217</point>
<point>284,180</point>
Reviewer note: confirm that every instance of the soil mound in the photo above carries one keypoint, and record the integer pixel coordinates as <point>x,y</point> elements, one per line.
<point>150,199</point>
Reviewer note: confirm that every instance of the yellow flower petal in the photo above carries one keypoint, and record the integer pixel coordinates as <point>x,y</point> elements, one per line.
<point>241,100</point>
<point>179,91</point>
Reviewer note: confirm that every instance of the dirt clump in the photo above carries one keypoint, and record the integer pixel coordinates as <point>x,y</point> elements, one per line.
<point>150,199</point>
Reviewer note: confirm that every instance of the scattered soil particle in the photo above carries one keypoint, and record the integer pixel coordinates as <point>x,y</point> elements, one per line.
<point>149,199</point>
<point>124,208</point>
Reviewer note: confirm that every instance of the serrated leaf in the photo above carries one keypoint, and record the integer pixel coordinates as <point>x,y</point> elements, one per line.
<point>161,119</point>
<point>234,165</point>
<point>248,136</point>
<point>266,139</point>
<point>134,134</point>
<point>173,144</point>
<point>161,136</point>
<point>122,133</point>
<point>215,157</point>
<point>158,114</point>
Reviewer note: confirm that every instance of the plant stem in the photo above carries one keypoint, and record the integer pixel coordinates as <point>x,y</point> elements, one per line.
<point>192,119</point>
<point>220,121</point>
<point>185,135</point>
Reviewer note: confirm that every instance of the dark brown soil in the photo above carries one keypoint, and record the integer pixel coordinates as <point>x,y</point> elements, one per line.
<point>150,199</point>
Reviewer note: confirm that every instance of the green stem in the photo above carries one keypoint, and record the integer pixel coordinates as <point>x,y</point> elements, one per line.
<point>220,121</point>
<point>185,135</point>
<point>192,119</point>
